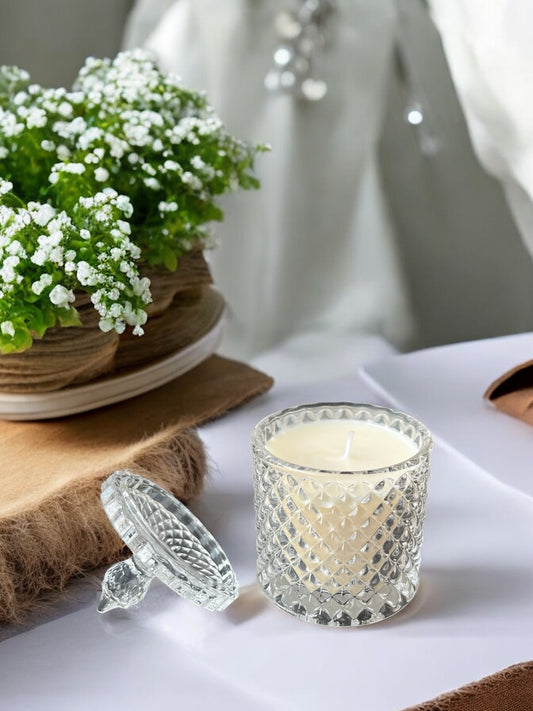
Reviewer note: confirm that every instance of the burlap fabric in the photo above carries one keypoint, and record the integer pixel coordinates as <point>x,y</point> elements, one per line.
<point>52,525</point>
<point>508,690</point>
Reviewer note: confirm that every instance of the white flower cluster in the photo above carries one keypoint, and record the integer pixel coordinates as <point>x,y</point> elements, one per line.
<point>45,248</point>
<point>156,117</point>
<point>33,107</point>
<point>120,258</point>
<point>5,186</point>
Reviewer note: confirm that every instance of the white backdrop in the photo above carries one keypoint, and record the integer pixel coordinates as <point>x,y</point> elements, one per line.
<point>314,249</point>
<point>489,46</point>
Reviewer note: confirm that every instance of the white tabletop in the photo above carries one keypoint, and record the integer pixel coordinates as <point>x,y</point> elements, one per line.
<point>472,616</point>
<point>444,386</point>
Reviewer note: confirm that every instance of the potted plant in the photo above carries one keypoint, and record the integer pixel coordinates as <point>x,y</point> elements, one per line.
<point>104,190</point>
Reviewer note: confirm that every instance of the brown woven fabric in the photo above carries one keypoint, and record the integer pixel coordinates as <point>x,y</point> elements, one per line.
<point>65,356</point>
<point>508,690</point>
<point>51,522</point>
<point>513,392</point>
<point>191,315</point>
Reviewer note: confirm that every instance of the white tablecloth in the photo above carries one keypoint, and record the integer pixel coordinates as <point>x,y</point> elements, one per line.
<point>472,616</point>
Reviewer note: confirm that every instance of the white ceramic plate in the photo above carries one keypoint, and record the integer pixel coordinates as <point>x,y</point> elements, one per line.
<point>81,398</point>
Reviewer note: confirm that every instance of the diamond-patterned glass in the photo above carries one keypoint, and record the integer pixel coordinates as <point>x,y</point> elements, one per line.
<point>340,548</point>
<point>167,541</point>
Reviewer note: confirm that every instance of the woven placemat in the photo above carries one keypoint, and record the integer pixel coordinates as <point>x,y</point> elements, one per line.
<point>52,526</point>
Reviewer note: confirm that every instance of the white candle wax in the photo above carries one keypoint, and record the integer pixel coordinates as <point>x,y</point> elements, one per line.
<point>323,445</point>
<point>340,514</point>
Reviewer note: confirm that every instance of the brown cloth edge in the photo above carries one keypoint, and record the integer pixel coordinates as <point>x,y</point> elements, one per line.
<point>510,689</point>
<point>212,388</point>
<point>512,393</point>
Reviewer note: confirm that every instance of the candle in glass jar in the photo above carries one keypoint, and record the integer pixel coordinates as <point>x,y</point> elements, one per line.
<point>340,515</point>
<point>340,492</point>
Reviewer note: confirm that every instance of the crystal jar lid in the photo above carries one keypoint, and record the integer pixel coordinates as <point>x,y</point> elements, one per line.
<point>167,542</point>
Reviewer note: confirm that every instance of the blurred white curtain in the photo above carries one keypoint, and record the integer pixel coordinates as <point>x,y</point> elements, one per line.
<point>313,251</point>
<point>489,47</point>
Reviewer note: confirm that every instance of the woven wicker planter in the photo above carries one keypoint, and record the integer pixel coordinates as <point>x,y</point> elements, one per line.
<point>183,310</point>
<point>192,272</point>
<point>63,357</point>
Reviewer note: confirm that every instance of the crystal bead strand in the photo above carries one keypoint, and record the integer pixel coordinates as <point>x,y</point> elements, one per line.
<point>300,35</point>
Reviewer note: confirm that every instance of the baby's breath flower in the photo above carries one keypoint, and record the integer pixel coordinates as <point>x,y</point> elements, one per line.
<point>63,153</point>
<point>5,186</point>
<point>101,175</point>
<point>38,286</point>
<point>192,180</point>
<point>131,164</point>
<point>124,227</point>
<point>7,328</point>
<point>65,109</point>
<point>167,206</point>
<point>36,118</point>
<point>124,205</point>
<point>60,296</point>
<point>152,183</point>
<point>41,214</point>
<point>74,168</point>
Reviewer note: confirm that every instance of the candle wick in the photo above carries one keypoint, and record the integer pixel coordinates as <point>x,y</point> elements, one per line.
<point>349,441</point>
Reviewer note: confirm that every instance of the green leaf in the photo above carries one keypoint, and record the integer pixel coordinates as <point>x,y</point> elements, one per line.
<point>21,341</point>
<point>68,317</point>
<point>40,320</point>
<point>50,318</point>
<point>249,182</point>
<point>37,323</point>
<point>170,259</point>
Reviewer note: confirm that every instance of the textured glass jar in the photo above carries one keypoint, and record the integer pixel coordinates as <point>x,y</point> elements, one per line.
<point>340,548</point>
